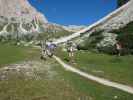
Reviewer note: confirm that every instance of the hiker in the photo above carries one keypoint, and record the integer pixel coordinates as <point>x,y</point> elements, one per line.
<point>70,49</point>
<point>50,47</point>
<point>119,48</point>
<point>43,50</point>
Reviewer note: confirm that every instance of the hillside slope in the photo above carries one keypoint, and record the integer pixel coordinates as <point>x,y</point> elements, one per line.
<point>115,20</point>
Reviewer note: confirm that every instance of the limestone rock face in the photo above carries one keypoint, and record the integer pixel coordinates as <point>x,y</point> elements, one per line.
<point>19,17</point>
<point>20,9</point>
<point>108,40</point>
<point>122,18</point>
<point>115,20</point>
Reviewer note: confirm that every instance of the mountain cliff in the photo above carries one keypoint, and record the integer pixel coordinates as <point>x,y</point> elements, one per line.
<point>18,18</point>
<point>20,9</point>
<point>112,28</point>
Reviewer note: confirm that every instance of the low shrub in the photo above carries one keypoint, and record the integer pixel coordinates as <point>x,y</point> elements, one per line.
<point>91,42</point>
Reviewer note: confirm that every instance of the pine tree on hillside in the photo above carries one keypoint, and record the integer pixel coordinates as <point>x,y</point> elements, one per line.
<point>121,2</point>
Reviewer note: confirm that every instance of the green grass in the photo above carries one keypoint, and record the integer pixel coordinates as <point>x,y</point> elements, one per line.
<point>20,89</point>
<point>12,54</point>
<point>92,90</point>
<point>63,86</point>
<point>119,69</point>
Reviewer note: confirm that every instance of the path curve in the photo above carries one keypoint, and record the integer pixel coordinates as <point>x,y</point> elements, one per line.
<point>102,81</point>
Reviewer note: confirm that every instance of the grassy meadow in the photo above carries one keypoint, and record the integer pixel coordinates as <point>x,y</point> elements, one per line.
<point>13,54</point>
<point>112,67</point>
<point>63,85</point>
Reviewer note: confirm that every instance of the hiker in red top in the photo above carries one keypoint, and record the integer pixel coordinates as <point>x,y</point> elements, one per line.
<point>119,48</point>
